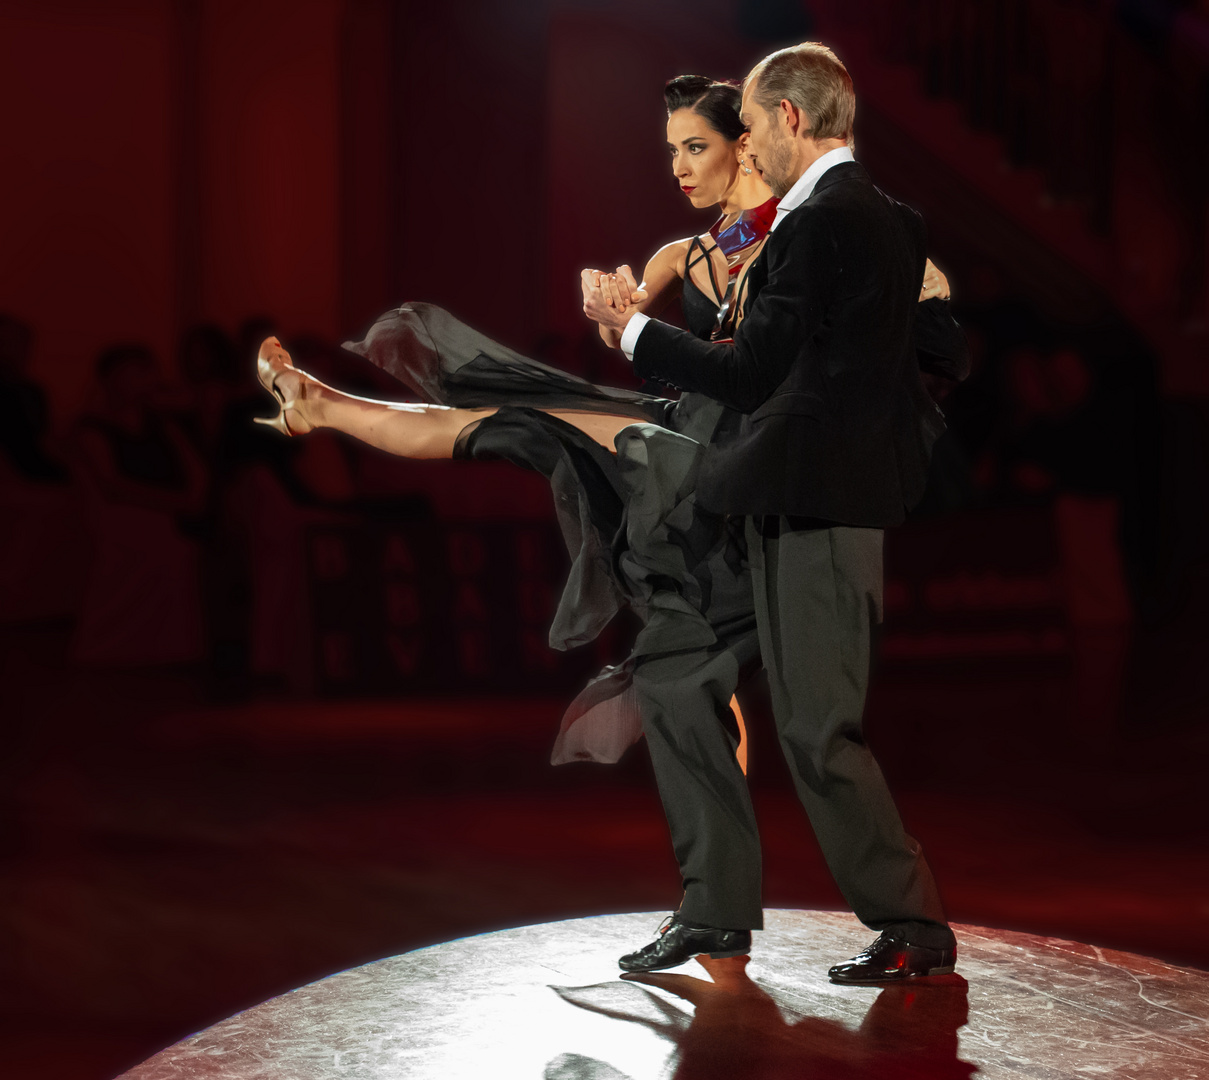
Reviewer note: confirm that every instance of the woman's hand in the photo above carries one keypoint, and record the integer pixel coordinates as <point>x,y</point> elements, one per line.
<point>589,283</point>
<point>620,289</point>
<point>934,284</point>
<point>609,299</point>
<point>617,290</point>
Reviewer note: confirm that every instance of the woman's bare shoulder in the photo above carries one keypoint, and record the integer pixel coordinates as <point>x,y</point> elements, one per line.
<point>672,255</point>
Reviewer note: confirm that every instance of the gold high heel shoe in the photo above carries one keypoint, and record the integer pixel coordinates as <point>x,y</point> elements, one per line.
<point>286,383</point>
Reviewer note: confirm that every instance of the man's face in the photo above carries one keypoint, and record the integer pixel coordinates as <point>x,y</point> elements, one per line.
<point>769,149</point>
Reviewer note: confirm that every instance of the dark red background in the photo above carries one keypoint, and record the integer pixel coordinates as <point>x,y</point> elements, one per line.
<point>184,841</point>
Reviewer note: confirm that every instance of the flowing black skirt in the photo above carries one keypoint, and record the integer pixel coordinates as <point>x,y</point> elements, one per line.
<point>630,520</point>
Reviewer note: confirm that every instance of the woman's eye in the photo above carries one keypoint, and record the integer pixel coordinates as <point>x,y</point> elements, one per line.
<point>695,149</point>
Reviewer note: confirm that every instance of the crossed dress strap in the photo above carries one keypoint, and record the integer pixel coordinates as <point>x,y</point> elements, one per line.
<point>724,299</point>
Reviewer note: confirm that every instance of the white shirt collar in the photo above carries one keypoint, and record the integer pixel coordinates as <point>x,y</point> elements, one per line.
<point>804,188</point>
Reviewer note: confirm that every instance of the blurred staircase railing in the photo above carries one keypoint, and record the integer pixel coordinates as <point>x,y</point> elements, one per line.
<point>1082,124</point>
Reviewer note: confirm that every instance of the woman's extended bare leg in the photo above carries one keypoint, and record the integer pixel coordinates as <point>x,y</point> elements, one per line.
<point>406,430</point>
<point>400,428</point>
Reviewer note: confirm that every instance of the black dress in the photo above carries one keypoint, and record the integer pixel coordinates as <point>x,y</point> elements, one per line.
<point>631,523</point>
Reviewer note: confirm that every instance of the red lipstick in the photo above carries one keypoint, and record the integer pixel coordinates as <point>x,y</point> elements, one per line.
<point>687,190</point>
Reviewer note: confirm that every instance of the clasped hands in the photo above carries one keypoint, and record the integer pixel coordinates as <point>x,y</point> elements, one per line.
<point>609,298</point>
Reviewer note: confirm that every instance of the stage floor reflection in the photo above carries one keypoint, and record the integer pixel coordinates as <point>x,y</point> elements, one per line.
<point>545,1002</point>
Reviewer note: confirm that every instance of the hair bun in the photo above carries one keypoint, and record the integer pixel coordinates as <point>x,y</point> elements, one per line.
<point>684,90</point>
<point>717,102</point>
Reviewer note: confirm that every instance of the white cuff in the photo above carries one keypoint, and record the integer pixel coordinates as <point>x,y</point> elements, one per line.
<point>629,337</point>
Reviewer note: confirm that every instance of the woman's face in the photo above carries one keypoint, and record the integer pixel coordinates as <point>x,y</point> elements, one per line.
<point>704,163</point>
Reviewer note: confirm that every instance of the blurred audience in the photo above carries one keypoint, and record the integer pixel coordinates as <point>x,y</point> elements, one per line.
<point>1064,420</point>
<point>145,486</point>
<point>213,377</point>
<point>1059,413</point>
<point>198,517</point>
<point>271,491</point>
<point>24,416</point>
<point>41,550</point>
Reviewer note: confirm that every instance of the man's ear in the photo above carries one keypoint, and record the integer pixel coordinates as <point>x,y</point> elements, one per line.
<point>794,119</point>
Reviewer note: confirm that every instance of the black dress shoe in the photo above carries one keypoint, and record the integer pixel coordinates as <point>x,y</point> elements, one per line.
<point>678,943</point>
<point>890,959</point>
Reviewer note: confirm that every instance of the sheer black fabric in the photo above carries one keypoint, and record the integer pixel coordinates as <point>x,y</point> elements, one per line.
<point>630,521</point>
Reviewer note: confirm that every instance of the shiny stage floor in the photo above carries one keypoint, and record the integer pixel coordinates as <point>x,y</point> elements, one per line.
<point>168,860</point>
<point>545,1002</point>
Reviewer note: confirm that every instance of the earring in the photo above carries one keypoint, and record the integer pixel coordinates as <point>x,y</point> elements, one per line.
<point>743,163</point>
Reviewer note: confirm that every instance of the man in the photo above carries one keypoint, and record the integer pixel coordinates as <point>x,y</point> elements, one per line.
<point>835,449</point>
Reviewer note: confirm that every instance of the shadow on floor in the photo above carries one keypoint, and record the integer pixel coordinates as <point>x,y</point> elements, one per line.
<point>170,862</point>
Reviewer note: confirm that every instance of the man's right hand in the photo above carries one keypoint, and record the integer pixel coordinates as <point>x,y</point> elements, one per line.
<point>621,288</point>
<point>618,290</point>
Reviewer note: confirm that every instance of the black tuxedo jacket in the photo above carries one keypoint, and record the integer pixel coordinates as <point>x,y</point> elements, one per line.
<point>840,427</point>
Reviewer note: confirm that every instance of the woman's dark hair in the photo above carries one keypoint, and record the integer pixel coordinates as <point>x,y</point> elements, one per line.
<point>717,102</point>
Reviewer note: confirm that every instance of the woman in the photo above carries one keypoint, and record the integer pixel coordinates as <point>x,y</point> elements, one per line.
<point>622,464</point>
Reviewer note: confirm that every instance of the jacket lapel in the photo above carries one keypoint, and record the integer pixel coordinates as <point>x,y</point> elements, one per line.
<point>837,174</point>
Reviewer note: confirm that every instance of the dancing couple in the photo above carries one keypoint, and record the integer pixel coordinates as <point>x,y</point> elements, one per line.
<point>742,521</point>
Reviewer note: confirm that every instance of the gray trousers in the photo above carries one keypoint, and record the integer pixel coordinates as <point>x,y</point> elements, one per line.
<point>818,595</point>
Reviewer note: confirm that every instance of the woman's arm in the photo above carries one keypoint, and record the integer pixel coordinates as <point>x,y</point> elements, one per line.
<point>661,283</point>
<point>773,336</point>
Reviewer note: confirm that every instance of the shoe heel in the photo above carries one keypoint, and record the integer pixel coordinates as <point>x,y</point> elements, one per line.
<point>947,970</point>
<point>286,408</point>
<point>727,954</point>
<point>277,423</point>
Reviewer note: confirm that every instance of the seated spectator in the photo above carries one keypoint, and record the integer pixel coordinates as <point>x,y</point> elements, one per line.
<point>271,490</point>
<point>41,549</point>
<point>24,418</point>
<point>214,376</point>
<point>146,489</point>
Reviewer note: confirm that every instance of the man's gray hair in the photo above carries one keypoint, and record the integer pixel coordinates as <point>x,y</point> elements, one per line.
<point>811,77</point>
